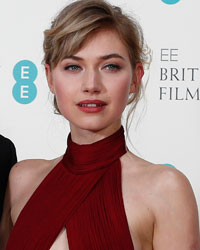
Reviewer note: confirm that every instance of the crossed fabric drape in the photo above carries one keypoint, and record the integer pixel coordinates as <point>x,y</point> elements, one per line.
<point>82,193</point>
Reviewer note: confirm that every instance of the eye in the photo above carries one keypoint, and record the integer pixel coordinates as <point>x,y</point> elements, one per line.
<point>112,67</point>
<point>72,67</point>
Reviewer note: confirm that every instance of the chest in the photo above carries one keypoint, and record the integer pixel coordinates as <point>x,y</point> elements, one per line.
<point>135,210</point>
<point>137,205</point>
<point>138,214</point>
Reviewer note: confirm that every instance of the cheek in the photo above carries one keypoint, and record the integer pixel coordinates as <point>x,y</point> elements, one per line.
<point>62,86</point>
<point>63,94</point>
<point>121,92</point>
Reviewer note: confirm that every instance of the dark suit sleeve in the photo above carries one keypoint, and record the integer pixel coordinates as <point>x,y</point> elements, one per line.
<point>13,156</point>
<point>8,158</point>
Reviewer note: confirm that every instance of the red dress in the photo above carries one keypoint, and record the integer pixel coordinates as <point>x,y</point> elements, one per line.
<point>82,193</point>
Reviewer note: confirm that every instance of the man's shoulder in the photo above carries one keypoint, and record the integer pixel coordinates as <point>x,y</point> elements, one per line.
<point>5,141</point>
<point>7,152</point>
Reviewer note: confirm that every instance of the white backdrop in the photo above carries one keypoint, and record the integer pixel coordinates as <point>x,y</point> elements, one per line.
<point>168,129</point>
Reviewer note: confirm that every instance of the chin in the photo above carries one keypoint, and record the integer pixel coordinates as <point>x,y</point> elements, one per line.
<point>92,127</point>
<point>96,126</point>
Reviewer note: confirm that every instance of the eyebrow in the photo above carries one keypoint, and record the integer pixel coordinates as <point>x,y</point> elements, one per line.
<point>114,55</point>
<point>74,57</point>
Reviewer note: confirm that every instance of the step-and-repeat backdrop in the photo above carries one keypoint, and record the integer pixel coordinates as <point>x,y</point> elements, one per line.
<point>165,128</point>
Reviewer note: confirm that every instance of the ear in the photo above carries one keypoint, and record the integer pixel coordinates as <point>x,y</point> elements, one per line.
<point>137,77</point>
<point>49,77</point>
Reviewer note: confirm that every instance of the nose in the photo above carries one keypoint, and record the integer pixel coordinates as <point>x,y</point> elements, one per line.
<point>92,82</point>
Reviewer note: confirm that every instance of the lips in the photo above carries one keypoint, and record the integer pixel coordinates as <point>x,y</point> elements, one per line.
<point>91,106</point>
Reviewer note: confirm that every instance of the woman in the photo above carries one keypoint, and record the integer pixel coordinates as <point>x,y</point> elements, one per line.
<point>98,195</point>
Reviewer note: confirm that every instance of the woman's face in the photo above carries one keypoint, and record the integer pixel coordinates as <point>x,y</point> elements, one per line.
<point>92,86</point>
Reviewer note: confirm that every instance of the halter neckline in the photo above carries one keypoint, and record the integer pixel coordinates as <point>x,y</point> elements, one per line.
<point>85,158</point>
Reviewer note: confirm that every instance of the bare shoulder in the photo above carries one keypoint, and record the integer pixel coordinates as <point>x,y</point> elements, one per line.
<point>24,178</point>
<point>25,174</point>
<point>169,196</point>
<point>172,185</point>
<point>156,182</point>
<point>162,178</point>
<point>175,210</point>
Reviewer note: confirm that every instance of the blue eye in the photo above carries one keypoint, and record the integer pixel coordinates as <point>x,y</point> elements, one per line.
<point>72,67</point>
<point>112,67</point>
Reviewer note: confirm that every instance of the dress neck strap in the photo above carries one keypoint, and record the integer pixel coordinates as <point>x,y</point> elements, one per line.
<point>81,159</point>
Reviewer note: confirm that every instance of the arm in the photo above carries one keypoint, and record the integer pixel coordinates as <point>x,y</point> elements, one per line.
<point>12,155</point>
<point>176,215</point>
<point>19,180</point>
<point>6,223</point>
<point>8,159</point>
<point>24,178</point>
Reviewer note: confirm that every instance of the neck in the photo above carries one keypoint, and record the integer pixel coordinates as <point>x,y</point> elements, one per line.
<point>82,159</point>
<point>85,136</point>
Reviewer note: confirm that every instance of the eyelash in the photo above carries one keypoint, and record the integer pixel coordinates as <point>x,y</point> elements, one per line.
<point>72,67</point>
<point>110,67</point>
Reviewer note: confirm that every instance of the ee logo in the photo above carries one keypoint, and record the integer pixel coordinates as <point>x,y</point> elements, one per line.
<point>24,90</point>
<point>170,1</point>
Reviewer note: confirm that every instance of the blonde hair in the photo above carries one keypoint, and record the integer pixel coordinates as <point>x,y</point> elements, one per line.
<point>82,18</point>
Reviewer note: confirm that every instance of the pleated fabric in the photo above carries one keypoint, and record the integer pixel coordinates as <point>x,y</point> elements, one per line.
<point>82,193</point>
